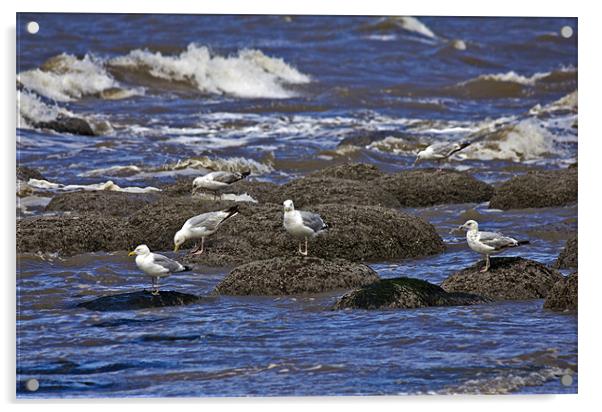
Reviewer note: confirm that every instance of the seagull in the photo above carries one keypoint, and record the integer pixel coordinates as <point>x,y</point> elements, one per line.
<point>488,243</point>
<point>440,151</point>
<point>301,224</point>
<point>202,226</point>
<point>215,181</point>
<point>156,265</point>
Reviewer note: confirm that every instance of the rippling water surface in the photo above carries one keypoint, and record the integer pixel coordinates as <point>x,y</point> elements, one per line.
<point>283,96</point>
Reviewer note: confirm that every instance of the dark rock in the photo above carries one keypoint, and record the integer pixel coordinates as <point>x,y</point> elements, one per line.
<point>295,275</point>
<point>106,202</point>
<point>322,190</point>
<point>143,299</point>
<point>564,294</point>
<point>405,293</point>
<point>427,187</point>
<point>356,233</point>
<point>509,278</point>
<point>64,124</point>
<point>365,137</point>
<point>350,171</point>
<point>542,188</point>
<point>26,173</point>
<point>70,235</point>
<point>568,258</point>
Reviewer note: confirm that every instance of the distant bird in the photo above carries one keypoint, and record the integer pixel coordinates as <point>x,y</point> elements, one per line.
<point>155,265</point>
<point>488,243</point>
<point>440,151</point>
<point>302,225</point>
<point>216,181</point>
<point>201,226</point>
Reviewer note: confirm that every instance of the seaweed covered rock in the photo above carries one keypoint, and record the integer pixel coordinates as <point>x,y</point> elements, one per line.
<point>427,187</point>
<point>25,173</point>
<point>143,299</point>
<point>67,124</point>
<point>350,171</point>
<point>105,202</point>
<point>404,293</point>
<point>508,278</point>
<point>564,294</point>
<point>568,258</point>
<point>542,188</point>
<point>295,275</point>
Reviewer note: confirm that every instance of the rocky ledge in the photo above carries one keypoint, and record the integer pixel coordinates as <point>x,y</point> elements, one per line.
<point>568,258</point>
<point>564,294</point>
<point>404,293</point>
<point>143,299</point>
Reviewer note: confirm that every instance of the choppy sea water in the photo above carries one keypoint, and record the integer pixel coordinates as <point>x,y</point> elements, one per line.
<point>170,95</point>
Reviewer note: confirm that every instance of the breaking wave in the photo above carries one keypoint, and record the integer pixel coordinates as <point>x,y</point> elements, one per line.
<point>396,23</point>
<point>109,185</point>
<point>33,110</point>
<point>249,73</point>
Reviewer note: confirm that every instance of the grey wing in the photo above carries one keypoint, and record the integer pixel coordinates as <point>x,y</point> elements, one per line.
<point>169,264</point>
<point>226,177</point>
<point>313,221</point>
<point>209,220</point>
<point>496,240</point>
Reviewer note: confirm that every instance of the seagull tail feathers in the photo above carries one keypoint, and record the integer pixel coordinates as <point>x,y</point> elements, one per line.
<point>231,211</point>
<point>245,173</point>
<point>522,242</point>
<point>186,268</point>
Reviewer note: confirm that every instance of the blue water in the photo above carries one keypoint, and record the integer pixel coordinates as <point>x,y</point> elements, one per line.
<point>315,82</point>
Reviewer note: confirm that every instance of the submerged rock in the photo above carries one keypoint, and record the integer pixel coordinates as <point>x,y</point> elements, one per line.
<point>427,187</point>
<point>66,124</point>
<point>404,293</point>
<point>542,188</point>
<point>568,258</point>
<point>564,294</point>
<point>295,275</point>
<point>143,299</point>
<point>105,202</point>
<point>509,278</point>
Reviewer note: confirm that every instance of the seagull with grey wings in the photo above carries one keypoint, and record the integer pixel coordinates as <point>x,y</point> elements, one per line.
<point>440,151</point>
<point>302,225</point>
<point>155,265</point>
<point>216,181</point>
<point>201,226</point>
<point>488,243</point>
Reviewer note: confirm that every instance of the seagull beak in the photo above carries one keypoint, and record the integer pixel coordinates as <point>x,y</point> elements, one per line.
<point>132,253</point>
<point>175,249</point>
<point>456,229</point>
<point>416,161</point>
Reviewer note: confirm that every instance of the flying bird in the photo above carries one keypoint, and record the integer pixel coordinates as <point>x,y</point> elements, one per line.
<point>155,265</point>
<point>215,181</point>
<point>488,243</point>
<point>201,226</point>
<point>440,151</point>
<point>302,225</point>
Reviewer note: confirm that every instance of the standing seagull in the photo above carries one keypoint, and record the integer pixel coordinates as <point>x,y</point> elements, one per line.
<point>301,224</point>
<point>440,151</point>
<point>216,181</point>
<point>156,265</point>
<point>488,243</point>
<point>201,226</point>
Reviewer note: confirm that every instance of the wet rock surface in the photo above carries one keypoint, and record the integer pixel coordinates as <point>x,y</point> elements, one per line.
<point>564,294</point>
<point>65,124</point>
<point>295,275</point>
<point>350,171</point>
<point>542,188</point>
<point>143,299</point>
<point>508,278</point>
<point>26,173</point>
<point>568,257</point>
<point>427,187</point>
<point>405,293</point>
<point>103,202</point>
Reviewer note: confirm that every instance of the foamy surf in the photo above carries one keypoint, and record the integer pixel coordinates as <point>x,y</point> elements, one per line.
<point>108,185</point>
<point>249,73</point>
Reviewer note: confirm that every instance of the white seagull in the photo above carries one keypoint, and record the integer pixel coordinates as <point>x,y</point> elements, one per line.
<point>440,151</point>
<point>302,225</point>
<point>155,265</point>
<point>488,243</point>
<point>216,181</point>
<point>201,226</point>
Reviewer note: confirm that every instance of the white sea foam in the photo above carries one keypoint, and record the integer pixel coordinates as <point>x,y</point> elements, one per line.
<point>32,109</point>
<point>414,25</point>
<point>566,103</point>
<point>109,185</point>
<point>250,73</point>
<point>230,164</point>
<point>513,77</point>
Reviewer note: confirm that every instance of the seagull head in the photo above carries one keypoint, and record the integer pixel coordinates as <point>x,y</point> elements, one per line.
<point>288,206</point>
<point>178,239</point>
<point>419,156</point>
<point>470,225</point>
<point>140,250</point>
<point>196,184</point>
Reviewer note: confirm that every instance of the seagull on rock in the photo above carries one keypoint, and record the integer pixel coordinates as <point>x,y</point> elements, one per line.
<point>155,265</point>
<point>216,181</point>
<point>440,151</point>
<point>302,225</point>
<point>201,226</point>
<point>488,243</point>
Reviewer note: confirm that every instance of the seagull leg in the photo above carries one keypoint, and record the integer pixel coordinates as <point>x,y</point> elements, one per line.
<point>305,252</point>
<point>194,249</point>
<point>487,264</point>
<point>202,248</point>
<point>299,248</point>
<point>155,291</point>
